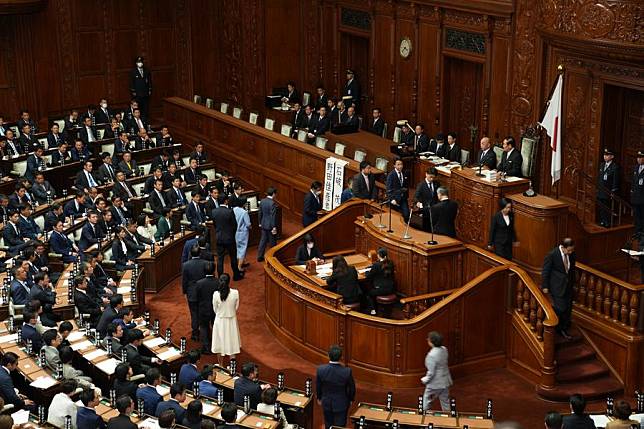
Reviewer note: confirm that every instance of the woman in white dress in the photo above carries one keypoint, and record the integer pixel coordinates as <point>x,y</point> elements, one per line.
<point>225,330</point>
<point>243,231</point>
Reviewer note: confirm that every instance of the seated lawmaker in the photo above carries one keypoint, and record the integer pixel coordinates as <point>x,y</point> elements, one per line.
<point>622,413</point>
<point>511,160</point>
<point>61,244</point>
<point>307,251</point>
<point>122,383</point>
<point>164,224</point>
<point>148,392</point>
<point>382,278</point>
<point>207,387</point>
<point>177,397</point>
<point>344,280</point>
<point>377,124</point>
<point>120,250</point>
<point>9,363</point>
<point>189,372</point>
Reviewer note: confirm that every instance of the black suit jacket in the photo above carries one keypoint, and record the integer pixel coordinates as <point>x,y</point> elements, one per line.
<point>52,142</point>
<point>488,160</point>
<point>335,387</point>
<point>554,276</point>
<point>58,159</point>
<point>194,269</point>
<point>103,173</point>
<point>87,305</point>
<point>82,182</point>
<point>130,171</point>
<point>608,178</point>
<point>302,254</point>
<point>511,165</point>
<point>140,86</point>
<point>312,205</point>
<point>353,122</point>
<point>206,287</point>
<point>298,118</point>
<point>225,225</point>
<point>359,187</point>
<point>102,117</point>
<point>322,125</point>
<point>443,217</point>
<point>28,143</point>
<point>454,154</point>
<point>245,386</point>
<point>155,201</point>
<point>140,364</point>
<point>421,143</point>
<point>173,198</point>
<point>84,134</point>
<point>396,190</point>
<point>119,191</point>
<point>376,128</point>
<point>7,390</point>
<point>578,421</point>
<point>118,255</point>
<point>502,235</point>
<point>39,191</point>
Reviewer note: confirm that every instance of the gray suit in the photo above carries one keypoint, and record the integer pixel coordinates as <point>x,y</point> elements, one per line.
<point>52,358</point>
<point>437,380</point>
<point>267,221</point>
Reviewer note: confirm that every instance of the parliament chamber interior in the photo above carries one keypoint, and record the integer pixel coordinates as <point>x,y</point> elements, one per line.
<point>322,213</point>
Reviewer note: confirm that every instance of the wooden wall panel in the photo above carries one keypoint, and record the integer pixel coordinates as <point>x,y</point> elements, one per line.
<point>72,53</point>
<point>282,42</point>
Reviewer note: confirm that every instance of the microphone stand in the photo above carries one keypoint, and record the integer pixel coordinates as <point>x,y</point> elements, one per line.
<point>406,235</point>
<point>390,230</point>
<point>479,174</point>
<point>431,242</point>
<point>380,224</point>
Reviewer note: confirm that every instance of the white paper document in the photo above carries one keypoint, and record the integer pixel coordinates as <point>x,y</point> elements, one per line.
<point>600,420</point>
<point>124,289</point>
<point>168,354</point>
<point>20,417</point>
<point>44,382</point>
<point>149,423</point>
<point>163,390</point>
<point>108,366</point>
<point>75,336</point>
<point>154,342</point>
<point>82,345</point>
<point>8,338</point>
<point>94,354</point>
<point>207,408</point>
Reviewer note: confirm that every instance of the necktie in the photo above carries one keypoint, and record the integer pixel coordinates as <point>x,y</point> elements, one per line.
<point>161,199</point>
<point>198,212</point>
<point>566,262</point>
<point>129,194</point>
<point>118,210</point>
<point>641,168</point>
<point>111,173</point>
<point>366,181</point>
<point>179,196</point>
<point>90,180</point>
<point>482,155</point>
<point>400,177</point>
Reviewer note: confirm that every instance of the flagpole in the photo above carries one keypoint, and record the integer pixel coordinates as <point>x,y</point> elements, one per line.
<point>560,72</point>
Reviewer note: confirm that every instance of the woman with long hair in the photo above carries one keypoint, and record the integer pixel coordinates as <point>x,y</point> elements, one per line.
<point>225,330</point>
<point>344,280</point>
<point>381,275</point>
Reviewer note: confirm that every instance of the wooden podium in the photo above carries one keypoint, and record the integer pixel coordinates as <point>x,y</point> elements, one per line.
<point>478,201</point>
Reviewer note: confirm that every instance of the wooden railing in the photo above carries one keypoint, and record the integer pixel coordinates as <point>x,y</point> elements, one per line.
<point>586,197</point>
<point>539,318</point>
<point>415,305</point>
<point>610,298</point>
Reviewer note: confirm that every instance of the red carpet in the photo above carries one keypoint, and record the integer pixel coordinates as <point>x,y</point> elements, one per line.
<point>514,399</point>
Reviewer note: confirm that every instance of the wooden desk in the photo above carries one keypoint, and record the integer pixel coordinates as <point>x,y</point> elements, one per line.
<point>375,146</point>
<point>261,157</point>
<point>64,307</point>
<point>478,201</point>
<point>165,265</point>
<point>359,261</point>
<point>379,416</point>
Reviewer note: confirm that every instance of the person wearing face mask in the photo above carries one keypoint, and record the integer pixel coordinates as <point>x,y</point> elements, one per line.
<point>103,114</point>
<point>141,86</point>
<point>307,251</point>
<point>312,204</point>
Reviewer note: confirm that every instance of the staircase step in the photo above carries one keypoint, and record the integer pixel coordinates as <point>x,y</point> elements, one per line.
<point>573,353</point>
<point>598,388</point>
<point>592,369</point>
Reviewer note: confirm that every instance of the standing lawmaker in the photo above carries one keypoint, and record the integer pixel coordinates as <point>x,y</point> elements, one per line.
<point>141,86</point>
<point>443,214</point>
<point>364,183</point>
<point>557,278</point>
<point>397,191</point>
<point>437,379</point>
<point>335,389</point>
<point>312,204</point>
<point>267,223</point>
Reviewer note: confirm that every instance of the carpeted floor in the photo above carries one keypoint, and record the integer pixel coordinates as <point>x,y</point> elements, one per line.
<point>514,399</point>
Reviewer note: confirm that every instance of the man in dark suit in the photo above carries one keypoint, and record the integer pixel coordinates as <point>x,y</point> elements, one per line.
<point>229,415</point>
<point>122,188</point>
<point>352,89</point>
<point>60,156</point>
<point>193,270</point>
<point>141,85</point>
<point>61,244</point>
<point>511,161</point>
<point>578,419</point>
<point>321,125</point>
<point>322,100</point>
<point>9,364</point>
<point>439,148</point>
<point>397,189</point>
<point>20,290</point>
<point>140,364</point>
<point>312,204</point>
<point>443,214</point>
<point>110,313</point>
<point>377,124</point>
<point>120,213</point>
<point>53,216</point>
<point>85,303</point>
<point>106,172</point>
<point>85,179</point>
<point>143,140</point>
<point>12,235</point>
<point>191,174</point>
<point>226,227</point>
<point>206,288</point>
<point>27,140</point>
<point>426,196</point>
<point>236,198</point>
<point>177,397</point>
<point>309,118</point>
<point>148,392</point>
<point>608,185</point>
<point>364,183</point>
<point>175,195</point>
<point>267,223</point>
<point>298,116</point>
<point>161,161</point>
<point>76,207</point>
<point>25,119</point>
<point>157,198</point>
<point>86,416</point>
<point>134,241</point>
<point>71,123</point>
<point>88,133</point>
<point>54,138</point>
<point>352,119</point>
<point>122,144</point>
<point>27,225</point>
<point>125,406</point>
<point>29,332</point>
<point>194,211</point>
<point>637,193</point>
<point>486,158</point>
<point>80,152</point>
<point>103,115</point>
<point>453,149</point>
<point>421,141</point>
<point>339,114</point>
<point>199,154</point>
<point>248,384</point>
<point>557,279</point>
<point>335,389</point>
<point>292,96</point>
<point>35,162</point>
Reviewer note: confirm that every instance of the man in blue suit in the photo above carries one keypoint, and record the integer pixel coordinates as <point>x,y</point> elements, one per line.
<point>177,396</point>
<point>194,212</point>
<point>28,227</point>
<point>335,389</point>
<point>19,288</point>
<point>189,373</point>
<point>29,332</point>
<point>312,204</point>
<point>206,385</point>
<point>76,207</point>
<point>12,234</point>
<point>86,417</point>
<point>9,364</point>
<point>90,233</point>
<point>60,243</point>
<point>397,189</point>
<point>148,393</point>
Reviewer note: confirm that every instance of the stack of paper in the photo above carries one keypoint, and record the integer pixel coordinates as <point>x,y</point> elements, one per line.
<point>75,336</point>
<point>82,345</point>
<point>95,354</point>
<point>149,423</point>
<point>20,417</point>
<point>44,382</point>
<point>154,342</point>
<point>169,354</point>
<point>163,390</point>
<point>108,366</point>
<point>8,338</point>
<point>600,420</point>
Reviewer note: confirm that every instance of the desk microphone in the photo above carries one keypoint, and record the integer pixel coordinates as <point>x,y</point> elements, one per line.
<point>431,242</point>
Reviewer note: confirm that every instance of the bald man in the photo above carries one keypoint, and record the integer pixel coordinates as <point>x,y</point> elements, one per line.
<point>487,157</point>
